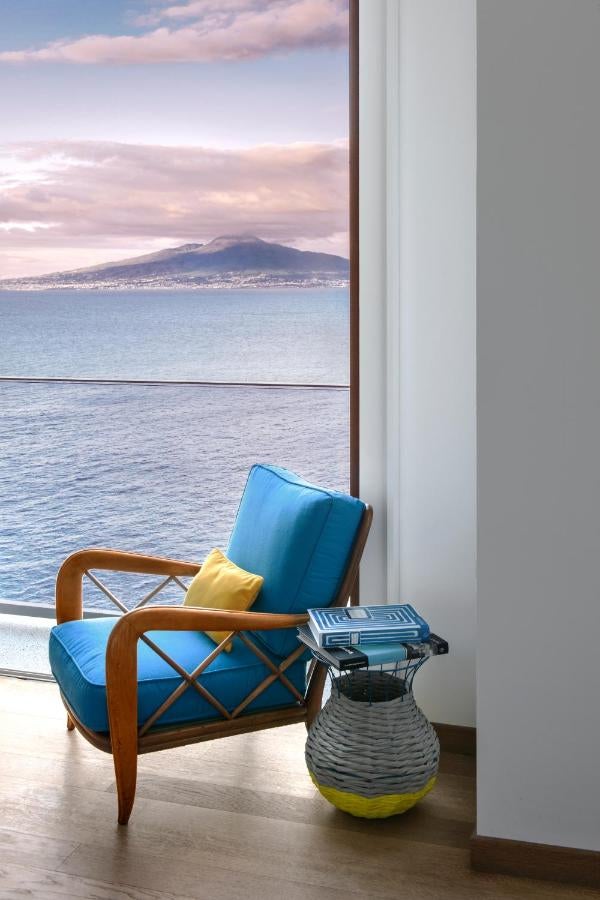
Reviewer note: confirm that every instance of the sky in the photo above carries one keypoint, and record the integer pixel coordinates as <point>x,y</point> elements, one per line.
<point>128,126</point>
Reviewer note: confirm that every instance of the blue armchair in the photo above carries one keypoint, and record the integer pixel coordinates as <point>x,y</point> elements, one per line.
<point>151,679</point>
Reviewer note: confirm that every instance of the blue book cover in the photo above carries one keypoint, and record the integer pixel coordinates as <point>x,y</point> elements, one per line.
<point>378,654</point>
<point>348,658</point>
<point>356,625</point>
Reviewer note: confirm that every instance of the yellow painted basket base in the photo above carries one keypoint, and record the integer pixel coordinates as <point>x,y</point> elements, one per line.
<point>372,807</point>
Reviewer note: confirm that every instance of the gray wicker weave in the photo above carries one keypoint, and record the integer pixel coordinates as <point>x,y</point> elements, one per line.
<point>371,751</point>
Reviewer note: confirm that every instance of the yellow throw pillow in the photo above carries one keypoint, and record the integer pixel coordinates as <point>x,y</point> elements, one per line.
<point>220,584</point>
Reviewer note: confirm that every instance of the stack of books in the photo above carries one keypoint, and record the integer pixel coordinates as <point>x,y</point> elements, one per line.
<point>353,637</point>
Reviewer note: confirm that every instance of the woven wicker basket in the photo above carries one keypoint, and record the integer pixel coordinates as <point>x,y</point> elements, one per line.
<point>371,751</point>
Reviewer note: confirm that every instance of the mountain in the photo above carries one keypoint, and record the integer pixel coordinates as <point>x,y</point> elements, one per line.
<point>230,261</point>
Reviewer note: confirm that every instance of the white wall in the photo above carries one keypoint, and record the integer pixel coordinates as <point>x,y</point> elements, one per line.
<point>538,669</point>
<point>433,496</point>
<point>417,323</point>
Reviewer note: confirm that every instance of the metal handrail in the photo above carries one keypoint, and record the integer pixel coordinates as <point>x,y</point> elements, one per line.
<point>33,379</point>
<point>44,610</point>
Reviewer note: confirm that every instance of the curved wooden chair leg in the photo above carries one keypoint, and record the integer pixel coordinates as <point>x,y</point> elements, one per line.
<point>121,695</point>
<point>70,723</point>
<point>125,760</point>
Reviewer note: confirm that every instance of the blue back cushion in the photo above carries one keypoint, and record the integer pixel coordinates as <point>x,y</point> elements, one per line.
<point>299,538</point>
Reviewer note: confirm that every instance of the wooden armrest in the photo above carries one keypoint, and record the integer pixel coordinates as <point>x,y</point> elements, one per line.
<point>69,593</point>
<point>190,618</point>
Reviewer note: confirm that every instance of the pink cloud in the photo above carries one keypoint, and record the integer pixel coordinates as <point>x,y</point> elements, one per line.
<point>226,30</point>
<point>108,196</point>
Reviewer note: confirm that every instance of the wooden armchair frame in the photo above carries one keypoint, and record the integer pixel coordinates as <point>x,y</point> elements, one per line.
<point>126,739</point>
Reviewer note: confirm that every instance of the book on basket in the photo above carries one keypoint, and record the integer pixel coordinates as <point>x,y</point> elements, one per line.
<point>345,658</point>
<point>356,625</point>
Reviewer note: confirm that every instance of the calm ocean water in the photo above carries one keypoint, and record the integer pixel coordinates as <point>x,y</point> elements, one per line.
<point>158,469</point>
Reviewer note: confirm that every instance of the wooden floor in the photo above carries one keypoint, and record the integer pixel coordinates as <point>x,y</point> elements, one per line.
<point>234,819</point>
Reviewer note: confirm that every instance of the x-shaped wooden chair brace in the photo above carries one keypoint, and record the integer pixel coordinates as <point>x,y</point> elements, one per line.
<point>190,679</point>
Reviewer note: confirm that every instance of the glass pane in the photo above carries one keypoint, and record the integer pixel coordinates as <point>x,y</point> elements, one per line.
<point>157,469</point>
<point>175,213</point>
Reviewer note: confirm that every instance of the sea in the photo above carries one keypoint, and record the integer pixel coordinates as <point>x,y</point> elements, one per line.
<point>157,468</point>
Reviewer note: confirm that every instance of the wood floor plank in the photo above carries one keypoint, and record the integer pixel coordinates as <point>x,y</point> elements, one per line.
<point>208,881</point>
<point>40,884</point>
<point>25,849</point>
<point>74,771</point>
<point>445,818</point>
<point>201,880</point>
<point>228,819</point>
<point>16,696</point>
<point>28,733</point>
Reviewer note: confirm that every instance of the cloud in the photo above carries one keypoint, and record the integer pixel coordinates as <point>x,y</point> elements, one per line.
<point>26,226</point>
<point>217,11</point>
<point>206,31</point>
<point>26,168</point>
<point>114,199</point>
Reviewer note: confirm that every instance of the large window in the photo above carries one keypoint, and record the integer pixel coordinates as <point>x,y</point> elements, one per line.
<point>174,276</point>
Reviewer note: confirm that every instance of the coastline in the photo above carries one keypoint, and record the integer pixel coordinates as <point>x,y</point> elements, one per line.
<point>217,285</point>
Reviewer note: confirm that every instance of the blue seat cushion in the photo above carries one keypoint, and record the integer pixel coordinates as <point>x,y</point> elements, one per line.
<point>77,659</point>
<point>299,538</point>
